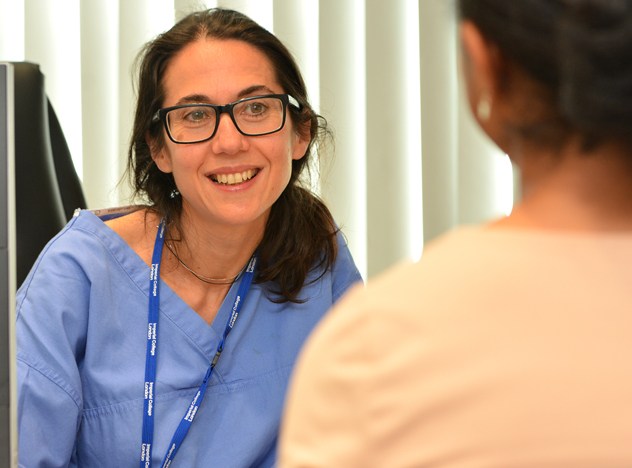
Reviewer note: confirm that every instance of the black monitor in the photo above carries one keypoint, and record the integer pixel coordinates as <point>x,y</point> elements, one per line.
<point>8,390</point>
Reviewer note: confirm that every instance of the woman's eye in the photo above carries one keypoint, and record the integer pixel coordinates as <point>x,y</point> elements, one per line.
<point>198,114</point>
<point>256,108</point>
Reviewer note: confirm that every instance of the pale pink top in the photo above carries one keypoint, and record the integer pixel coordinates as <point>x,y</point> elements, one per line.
<point>500,348</point>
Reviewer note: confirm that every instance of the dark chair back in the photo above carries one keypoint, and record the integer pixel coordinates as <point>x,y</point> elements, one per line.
<point>47,187</point>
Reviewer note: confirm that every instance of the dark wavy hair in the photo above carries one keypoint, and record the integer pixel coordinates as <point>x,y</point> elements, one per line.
<point>580,54</point>
<point>300,234</point>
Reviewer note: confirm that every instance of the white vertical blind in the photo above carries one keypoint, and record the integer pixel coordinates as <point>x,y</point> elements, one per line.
<point>184,7</point>
<point>100,101</point>
<point>343,104</point>
<point>296,25</point>
<point>259,10</point>
<point>439,117</point>
<point>12,30</point>
<point>390,104</point>
<point>139,21</point>
<point>414,198</point>
<point>52,39</point>
<point>384,74</point>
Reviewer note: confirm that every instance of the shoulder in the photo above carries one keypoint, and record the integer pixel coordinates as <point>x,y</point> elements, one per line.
<point>88,230</point>
<point>137,229</point>
<point>78,239</point>
<point>128,225</point>
<point>389,295</point>
<point>77,255</point>
<point>344,270</point>
<point>330,282</point>
<point>471,270</point>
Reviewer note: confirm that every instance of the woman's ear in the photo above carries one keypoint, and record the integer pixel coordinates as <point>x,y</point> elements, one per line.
<point>480,69</point>
<point>497,89</point>
<point>301,140</point>
<point>300,146</point>
<point>159,155</point>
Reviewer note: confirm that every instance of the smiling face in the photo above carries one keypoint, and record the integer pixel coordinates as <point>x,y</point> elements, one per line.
<point>231,179</point>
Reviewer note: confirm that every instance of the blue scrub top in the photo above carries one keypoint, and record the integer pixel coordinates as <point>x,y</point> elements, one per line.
<point>82,327</point>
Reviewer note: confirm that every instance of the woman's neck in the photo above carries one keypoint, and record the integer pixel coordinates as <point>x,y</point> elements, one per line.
<point>214,251</point>
<point>574,190</point>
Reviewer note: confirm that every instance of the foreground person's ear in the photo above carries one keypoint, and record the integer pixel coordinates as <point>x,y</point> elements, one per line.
<point>479,70</point>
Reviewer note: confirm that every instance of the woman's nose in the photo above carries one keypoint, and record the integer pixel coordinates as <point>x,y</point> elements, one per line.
<point>228,139</point>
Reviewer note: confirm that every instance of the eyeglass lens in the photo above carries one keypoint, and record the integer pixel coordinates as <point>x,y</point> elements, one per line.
<point>253,117</point>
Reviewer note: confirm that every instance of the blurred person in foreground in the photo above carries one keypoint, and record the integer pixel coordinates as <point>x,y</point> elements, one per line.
<point>508,344</point>
<point>125,357</point>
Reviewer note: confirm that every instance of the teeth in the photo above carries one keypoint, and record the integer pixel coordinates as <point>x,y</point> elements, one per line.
<point>233,179</point>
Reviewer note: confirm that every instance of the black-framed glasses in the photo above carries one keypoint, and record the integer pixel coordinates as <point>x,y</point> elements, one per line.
<point>194,123</point>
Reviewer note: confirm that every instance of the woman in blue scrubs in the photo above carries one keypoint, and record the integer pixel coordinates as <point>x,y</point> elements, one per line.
<point>164,334</point>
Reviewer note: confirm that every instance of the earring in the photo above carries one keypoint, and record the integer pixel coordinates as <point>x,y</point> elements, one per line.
<point>174,194</point>
<point>484,107</point>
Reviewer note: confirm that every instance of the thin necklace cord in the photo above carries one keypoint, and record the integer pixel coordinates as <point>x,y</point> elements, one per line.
<point>216,281</point>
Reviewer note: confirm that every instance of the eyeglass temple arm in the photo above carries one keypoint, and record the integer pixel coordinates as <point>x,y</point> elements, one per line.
<point>293,101</point>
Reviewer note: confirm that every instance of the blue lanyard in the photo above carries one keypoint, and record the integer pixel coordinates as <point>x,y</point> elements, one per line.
<point>150,362</point>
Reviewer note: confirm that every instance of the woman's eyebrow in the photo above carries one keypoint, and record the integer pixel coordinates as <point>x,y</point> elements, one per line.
<point>193,99</point>
<point>254,89</point>
<point>204,99</point>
